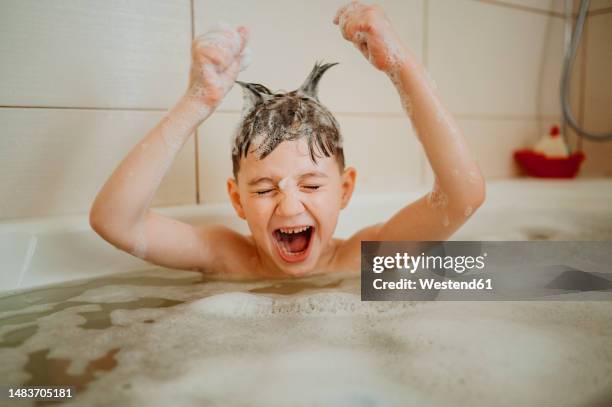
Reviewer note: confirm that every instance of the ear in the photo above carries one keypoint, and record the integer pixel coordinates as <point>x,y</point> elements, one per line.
<point>252,94</point>
<point>348,185</point>
<point>310,87</point>
<point>234,195</point>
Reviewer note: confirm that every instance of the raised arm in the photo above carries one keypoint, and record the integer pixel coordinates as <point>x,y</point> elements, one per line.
<point>120,212</point>
<point>459,187</point>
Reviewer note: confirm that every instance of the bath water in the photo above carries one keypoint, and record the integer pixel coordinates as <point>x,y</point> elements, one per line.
<point>168,337</point>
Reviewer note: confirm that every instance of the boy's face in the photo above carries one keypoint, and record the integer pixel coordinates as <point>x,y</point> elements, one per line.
<point>286,192</point>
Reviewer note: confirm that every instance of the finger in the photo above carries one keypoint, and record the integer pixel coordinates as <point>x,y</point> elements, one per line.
<point>232,71</point>
<point>220,57</point>
<point>363,47</point>
<point>349,11</point>
<point>344,14</point>
<point>339,12</point>
<point>243,32</point>
<point>221,38</point>
<point>347,7</point>
<point>355,30</point>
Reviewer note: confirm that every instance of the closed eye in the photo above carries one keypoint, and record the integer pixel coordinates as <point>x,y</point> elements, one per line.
<point>312,187</point>
<point>263,192</point>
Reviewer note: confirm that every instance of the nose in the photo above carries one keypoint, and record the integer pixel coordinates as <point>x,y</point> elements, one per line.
<point>289,204</point>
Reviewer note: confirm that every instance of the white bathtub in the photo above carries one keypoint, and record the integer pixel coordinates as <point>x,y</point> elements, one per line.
<point>37,252</point>
<point>159,337</point>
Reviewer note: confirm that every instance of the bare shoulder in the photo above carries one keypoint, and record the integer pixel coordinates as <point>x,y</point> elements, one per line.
<point>348,251</point>
<point>231,253</point>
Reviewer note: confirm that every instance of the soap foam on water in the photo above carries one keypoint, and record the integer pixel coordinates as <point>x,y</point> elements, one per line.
<point>239,304</point>
<point>233,304</point>
<point>326,348</point>
<point>292,377</point>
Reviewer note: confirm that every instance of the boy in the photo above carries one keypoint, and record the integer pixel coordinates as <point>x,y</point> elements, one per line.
<point>289,181</point>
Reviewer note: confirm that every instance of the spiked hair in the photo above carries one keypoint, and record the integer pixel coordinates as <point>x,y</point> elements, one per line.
<point>270,118</point>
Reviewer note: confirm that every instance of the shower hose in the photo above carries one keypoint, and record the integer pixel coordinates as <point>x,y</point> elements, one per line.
<point>572,40</point>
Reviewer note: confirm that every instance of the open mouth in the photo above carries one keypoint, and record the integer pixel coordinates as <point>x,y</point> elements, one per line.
<point>294,243</point>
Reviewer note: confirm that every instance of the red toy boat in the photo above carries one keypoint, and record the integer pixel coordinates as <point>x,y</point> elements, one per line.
<point>539,164</point>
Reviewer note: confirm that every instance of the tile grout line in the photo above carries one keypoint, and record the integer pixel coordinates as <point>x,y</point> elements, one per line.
<point>519,7</point>
<point>583,69</point>
<point>196,133</point>
<point>601,11</point>
<point>115,109</point>
<point>541,73</point>
<point>535,10</point>
<point>390,115</point>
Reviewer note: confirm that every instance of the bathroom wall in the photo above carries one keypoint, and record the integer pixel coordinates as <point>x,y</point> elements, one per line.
<point>82,81</point>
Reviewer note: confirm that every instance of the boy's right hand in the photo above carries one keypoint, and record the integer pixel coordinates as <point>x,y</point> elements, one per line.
<point>216,58</point>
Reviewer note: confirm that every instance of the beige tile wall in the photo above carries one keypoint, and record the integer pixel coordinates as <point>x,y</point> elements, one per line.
<point>82,81</point>
<point>55,161</point>
<point>597,115</point>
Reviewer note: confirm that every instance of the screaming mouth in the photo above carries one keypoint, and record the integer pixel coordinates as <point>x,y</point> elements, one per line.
<point>293,244</point>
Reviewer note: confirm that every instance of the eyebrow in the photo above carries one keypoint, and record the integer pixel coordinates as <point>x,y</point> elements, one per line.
<point>258,180</point>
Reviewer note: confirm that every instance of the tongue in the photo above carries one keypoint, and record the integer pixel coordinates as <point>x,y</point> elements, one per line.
<point>296,242</point>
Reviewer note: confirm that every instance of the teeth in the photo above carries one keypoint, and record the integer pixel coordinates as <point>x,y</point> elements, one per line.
<point>294,230</point>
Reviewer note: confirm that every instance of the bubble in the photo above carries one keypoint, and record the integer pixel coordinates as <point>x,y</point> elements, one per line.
<point>222,36</point>
<point>283,184</point>
<point>437,198</point>
<point>361,36</point>
<point>240,304</point>
<point>245,58</point>
<point>233,304</point>
<point>348,11</point>
<point>445,220</point>
<point>172,135</point>
<point>430,80</point>
<point>468,211</point>
<point>404,98</point>
<point>140,246</point>
<point>396,55</point>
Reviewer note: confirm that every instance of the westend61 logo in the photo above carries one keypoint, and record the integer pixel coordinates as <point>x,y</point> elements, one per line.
<point>473,270</point>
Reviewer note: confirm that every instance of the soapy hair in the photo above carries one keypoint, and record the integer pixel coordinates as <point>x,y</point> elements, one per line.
<point>270,118</point>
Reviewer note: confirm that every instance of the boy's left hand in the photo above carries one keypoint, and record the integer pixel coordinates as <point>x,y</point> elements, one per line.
<point>369,29</point>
